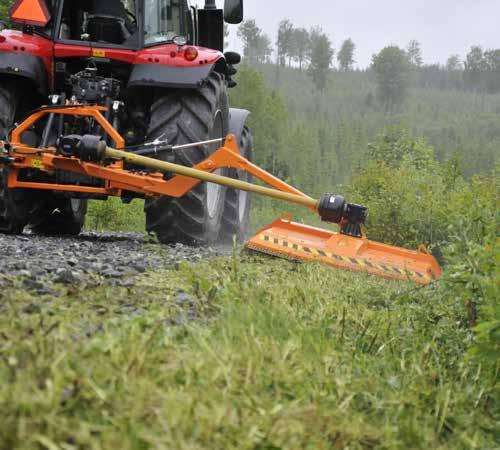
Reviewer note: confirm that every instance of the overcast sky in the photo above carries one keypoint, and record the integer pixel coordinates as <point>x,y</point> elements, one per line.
<point>443,27</point>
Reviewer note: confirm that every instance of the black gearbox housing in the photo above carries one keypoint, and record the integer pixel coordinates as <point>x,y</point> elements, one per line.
<point>86,86</point>
<point>88,147</point>
<point>350,216</point>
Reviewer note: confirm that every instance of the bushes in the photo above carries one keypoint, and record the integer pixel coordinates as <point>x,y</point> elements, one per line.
<point>473,278</point>
<point>5,6</point>
<point>411,197</point>
<point>403,203</point>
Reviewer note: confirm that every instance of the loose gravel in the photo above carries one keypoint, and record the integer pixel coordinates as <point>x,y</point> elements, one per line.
<point>90,258</point>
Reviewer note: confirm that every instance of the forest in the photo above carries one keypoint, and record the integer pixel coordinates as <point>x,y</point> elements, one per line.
<point>316,91</point>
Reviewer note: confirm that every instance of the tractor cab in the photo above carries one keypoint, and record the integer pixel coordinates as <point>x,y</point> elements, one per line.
<point>126,23</point>
<point>114,22</point>
<point>120,22</point>
<point>131,24</point>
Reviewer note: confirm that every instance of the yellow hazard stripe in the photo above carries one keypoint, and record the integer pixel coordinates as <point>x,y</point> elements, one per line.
<point>364,263</point>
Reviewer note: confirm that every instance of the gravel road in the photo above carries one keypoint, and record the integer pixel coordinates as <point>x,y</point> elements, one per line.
<point>91,258</point>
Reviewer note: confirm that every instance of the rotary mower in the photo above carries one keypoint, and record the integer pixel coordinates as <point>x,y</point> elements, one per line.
<point>138,109</point>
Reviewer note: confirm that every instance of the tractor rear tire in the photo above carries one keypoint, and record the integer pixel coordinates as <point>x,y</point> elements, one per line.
<point>182,117</point>
<point>237,208</point>
<point>14,207</point>
<point>14,203</point>
<point>59,216</point>
<point>20,207</point>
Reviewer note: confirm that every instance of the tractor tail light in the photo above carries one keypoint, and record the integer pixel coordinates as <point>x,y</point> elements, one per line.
<point>191,53</point>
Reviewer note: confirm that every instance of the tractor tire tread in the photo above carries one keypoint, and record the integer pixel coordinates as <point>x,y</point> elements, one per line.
<point>181,117</point>
<point>14,203</point>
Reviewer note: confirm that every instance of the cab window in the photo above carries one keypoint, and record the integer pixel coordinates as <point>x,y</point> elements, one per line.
<point>104,22</point>
<point>164,20</point>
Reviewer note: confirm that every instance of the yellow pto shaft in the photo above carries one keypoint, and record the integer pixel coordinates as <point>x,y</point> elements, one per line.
<point>166,167</point>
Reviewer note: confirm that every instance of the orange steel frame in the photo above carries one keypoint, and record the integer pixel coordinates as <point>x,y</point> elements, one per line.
<point>116,178</point>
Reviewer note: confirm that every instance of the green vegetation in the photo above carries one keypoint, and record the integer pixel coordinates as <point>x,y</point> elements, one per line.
<point>256,45</point>
<point>330,132</point>
<point>416,193</point>
<point>113,215</point>
<point>414,199</point>
<point>392,68</point>
<point>345,56</point>
<point>414,53</point>
<point>326,360</point>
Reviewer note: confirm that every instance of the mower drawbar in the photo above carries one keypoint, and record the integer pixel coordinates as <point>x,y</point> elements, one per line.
<point>90,148</point>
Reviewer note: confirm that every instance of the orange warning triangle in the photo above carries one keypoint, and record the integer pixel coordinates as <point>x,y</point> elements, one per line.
<point>30,12</point>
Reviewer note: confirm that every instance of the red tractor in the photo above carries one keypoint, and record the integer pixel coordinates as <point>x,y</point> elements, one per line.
<point>158,68</point>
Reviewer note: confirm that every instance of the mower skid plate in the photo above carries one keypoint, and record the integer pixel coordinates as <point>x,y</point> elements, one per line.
<point>286,239</point>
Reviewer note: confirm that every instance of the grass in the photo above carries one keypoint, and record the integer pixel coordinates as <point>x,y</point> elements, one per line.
<point>113,215</point>
<point>327,359</point>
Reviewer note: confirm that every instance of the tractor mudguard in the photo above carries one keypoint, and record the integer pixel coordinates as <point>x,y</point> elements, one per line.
<point>237,119</point>
<point>26,66</point>
<point>156,75</point>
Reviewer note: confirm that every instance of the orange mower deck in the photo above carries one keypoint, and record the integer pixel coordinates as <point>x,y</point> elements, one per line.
<point>286,239</point>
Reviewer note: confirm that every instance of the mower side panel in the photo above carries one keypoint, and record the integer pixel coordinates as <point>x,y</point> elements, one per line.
<point>27,56</point>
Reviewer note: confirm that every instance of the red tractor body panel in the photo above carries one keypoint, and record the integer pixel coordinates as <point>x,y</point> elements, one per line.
<point>171,55</point>
<point>163,55</point>
<point>166,55</point>
<point>12,41</point>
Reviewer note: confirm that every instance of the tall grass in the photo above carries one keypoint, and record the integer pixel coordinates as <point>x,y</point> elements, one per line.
<point>279,356</point>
